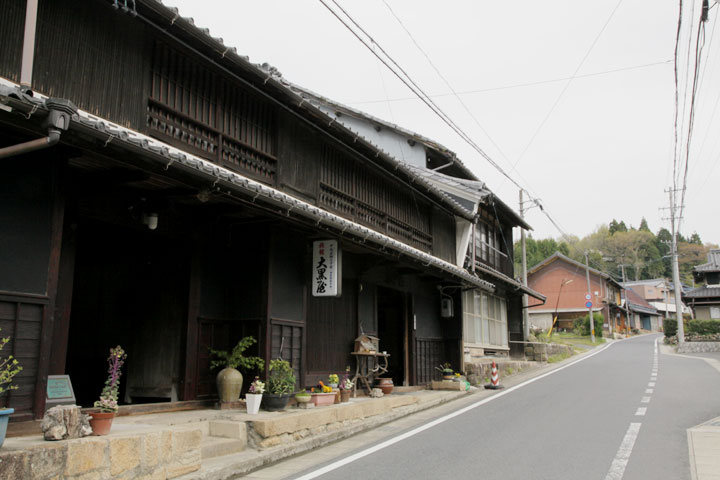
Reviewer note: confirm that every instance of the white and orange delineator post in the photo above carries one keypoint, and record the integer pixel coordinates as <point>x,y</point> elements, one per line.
<point>494,378</point>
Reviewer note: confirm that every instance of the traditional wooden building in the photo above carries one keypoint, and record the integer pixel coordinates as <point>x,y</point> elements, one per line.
<point>705,300</point>
<point>161,192</point>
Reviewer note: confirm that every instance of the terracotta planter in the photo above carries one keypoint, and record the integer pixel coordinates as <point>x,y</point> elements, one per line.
<point>321,399</point>
<point>4,417</point>
<point>386,385</point>
<point>101,422</point>
<point>345,395</point>
<point>229,383</point>
<point>252,402</point>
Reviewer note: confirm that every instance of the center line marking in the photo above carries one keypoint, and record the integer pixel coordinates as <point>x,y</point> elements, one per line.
<point>648,390</point>
<point>645,400</point>
<point>651,384</point>
<point>617,469</point>
<point>641,411</point>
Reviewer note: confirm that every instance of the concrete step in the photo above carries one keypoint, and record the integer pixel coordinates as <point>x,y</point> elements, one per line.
<point>212,447</point>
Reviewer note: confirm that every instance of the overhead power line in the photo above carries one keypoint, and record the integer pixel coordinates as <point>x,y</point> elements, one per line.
<point>519,85</point>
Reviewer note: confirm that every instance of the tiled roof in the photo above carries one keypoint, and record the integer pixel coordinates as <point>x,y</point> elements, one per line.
<point>638,303</point>
<point>703,292</point>
<point>172,157</point>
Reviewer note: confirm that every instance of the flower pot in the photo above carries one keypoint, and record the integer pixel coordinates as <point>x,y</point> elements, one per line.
<point>4,417</point>
<point>252,402</point>
<point>386,385</point>
<point>275,402</point>
<point>333,385</point>
<point>321,399</point>
<point>448,375</point>
<point>101,422</point>
<point>345,395</point>
<point>229,383</point>
<point>303,398</point>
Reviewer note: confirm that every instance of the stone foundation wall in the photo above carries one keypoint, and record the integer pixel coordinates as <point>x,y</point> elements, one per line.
<point>699,347</point>
<point>539,351</point>
<point>156,455</point>
<point>479,373</point>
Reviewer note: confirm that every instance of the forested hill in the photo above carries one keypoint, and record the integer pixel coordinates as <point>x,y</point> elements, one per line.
<point>612,247</point>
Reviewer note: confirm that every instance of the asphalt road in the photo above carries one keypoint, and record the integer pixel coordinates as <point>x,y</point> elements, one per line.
<point>621,413</point>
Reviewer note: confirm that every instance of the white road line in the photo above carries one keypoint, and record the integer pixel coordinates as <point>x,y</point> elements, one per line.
<point>438,421</point>
<point>649,390</point>
<point>651,384</point>
<point>641,411</point>
<point>617,469</point>
<point>645,400</point>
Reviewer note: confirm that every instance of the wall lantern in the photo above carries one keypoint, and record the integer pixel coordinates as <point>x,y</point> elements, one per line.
<point>150,219</point>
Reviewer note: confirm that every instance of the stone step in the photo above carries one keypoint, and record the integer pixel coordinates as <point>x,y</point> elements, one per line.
<point>212,447</point>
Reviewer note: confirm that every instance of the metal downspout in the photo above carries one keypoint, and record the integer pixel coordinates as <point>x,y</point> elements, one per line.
<point>37,144</point>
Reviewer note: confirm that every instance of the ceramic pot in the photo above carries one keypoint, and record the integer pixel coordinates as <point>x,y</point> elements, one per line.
<point>321,399</point>
<point>229,383</point>
<point>101,422</point>
<point>448,375</point>
<point>303,398</point>
<point>386,385</point>
<point>275,402</point>
<point>252,402</point>
<point>345,395</point>
<point>4,417</point>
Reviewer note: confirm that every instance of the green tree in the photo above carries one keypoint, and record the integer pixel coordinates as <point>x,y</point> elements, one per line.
<point>695,239</point>
<point>644,225</point>
<point>537,251</point>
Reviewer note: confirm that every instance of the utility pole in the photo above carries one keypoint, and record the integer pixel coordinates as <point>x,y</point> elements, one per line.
<point>525,315</point>
<point>676,273</point>
<point>589,297</point>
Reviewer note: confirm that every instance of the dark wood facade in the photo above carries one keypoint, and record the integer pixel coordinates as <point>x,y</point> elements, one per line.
<point>81,273</point>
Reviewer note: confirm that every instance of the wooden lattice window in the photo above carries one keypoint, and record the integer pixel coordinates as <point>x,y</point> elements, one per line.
<point>196,110</point>
<point>352,190</point>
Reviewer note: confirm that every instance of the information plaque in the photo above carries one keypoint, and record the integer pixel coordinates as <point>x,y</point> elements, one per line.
<point>59,391</point>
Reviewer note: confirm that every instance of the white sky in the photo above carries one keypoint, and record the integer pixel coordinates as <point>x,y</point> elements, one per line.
<point>606,148</point>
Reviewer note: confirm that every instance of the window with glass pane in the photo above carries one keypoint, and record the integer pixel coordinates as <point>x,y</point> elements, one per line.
<point>484,319</point>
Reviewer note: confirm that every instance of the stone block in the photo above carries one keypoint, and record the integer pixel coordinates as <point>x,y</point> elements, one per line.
<point>228,429</point>
<point>183,463</point>
<point>14,465</point>
<point>184,440</point>
<point>124,454</point>
<point>166,446</point>
<point>151,450</point>
<point>447,385</point>
<point>47,461</point>
<point>158,474</point>
<point>86,455</point>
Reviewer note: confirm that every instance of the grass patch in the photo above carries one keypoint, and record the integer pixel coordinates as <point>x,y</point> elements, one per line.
<point>558,357</point>
<point>572,339</point>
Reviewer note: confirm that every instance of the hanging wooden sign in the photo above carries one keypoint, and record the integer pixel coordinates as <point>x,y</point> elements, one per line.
<point>326,269</point>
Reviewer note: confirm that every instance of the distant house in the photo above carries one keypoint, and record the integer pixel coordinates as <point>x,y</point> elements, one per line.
<point>705,300</point>
<point>563,281</point>
<point>658,292</point>
<point>641,315</point>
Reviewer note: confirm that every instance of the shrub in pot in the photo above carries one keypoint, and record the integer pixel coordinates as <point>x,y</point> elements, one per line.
<point>280,385</point>
<point>9,367</point>
<point>229,379</point>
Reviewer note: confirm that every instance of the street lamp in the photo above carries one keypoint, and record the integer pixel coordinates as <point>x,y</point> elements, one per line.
<point>555,316</point>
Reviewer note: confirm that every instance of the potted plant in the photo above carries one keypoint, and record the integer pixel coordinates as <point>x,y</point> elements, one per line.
<point>333,380</point>
<point>254,396</point>
<point>323,395</point>
<point>346,386</point>
<point>101,421</point>
<point>229,379</point>
<point>280,385</point>
<point>447,371</point>
<point>303,397</point>
<point>9,367</point>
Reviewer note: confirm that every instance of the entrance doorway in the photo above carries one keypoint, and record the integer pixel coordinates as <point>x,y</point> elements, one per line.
<point>392,331</point>
<point>130,289</point>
